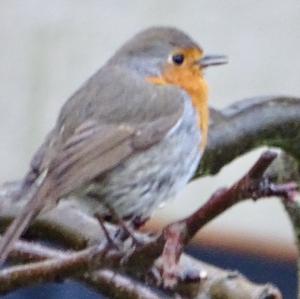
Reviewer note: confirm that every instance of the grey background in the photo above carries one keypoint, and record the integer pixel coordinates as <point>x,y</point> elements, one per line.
<point>48,48</point>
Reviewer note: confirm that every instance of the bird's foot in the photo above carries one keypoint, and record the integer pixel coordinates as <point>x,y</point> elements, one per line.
<point>176,277</point>
<point>125,232</point>
<point>126,229</point>
<point>111,242</point>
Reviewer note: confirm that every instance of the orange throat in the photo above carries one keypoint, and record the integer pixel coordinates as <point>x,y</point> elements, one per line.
<point>195,85</point>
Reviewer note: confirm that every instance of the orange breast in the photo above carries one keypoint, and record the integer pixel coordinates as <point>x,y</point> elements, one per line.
<point>191,80</point>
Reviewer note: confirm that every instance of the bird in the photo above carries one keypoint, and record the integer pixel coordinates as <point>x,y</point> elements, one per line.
<point>130,138</point>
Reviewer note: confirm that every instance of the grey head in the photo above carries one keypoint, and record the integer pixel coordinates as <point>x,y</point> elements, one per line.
<point>148,51</point>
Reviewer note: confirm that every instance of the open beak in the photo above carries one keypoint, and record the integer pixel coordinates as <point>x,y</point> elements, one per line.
<point>209,60</point>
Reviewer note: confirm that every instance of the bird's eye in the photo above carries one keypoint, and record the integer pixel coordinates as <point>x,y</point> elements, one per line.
<point>178,59</point>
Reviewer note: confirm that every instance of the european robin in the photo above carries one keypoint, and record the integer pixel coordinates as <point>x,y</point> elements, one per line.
<point>130,138</point>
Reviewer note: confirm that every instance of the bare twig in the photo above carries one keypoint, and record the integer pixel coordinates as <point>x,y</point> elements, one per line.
<point>105,281</point>
<point>252,185</point>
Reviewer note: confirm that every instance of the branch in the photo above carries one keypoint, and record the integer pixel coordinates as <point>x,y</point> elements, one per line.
<point>218,283</point>
<point>252,185</point>
<point>248,124</point>
<point>283,169</point>
<point>105,281</point>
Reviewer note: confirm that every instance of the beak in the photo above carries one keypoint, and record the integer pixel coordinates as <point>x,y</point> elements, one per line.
<point>209,60</point>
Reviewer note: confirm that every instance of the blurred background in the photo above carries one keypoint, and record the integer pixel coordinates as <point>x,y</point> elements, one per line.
<point>49,48</point>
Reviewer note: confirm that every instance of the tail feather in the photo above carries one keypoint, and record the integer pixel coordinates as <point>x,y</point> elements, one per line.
<point>22,221</point>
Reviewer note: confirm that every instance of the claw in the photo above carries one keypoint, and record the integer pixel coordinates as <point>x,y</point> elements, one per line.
<point>125,231</point>
<point>110,241</point>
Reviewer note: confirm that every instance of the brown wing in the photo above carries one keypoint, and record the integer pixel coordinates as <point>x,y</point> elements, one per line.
<point>88,154</point>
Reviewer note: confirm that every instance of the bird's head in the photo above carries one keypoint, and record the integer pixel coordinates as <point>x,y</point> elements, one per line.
<point>165,55</point>
<point>164,51</point>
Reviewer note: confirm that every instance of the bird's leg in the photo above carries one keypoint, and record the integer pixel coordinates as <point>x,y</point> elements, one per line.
<point>125,230</point>
<point>108,237</point>
<point>134,223</point>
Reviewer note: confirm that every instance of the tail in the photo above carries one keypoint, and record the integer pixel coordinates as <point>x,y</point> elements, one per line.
<point>22,221</point>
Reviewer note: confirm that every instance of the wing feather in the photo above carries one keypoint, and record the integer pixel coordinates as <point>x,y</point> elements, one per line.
<point>98,152</point>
